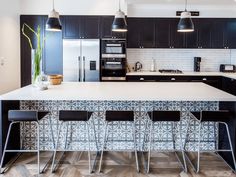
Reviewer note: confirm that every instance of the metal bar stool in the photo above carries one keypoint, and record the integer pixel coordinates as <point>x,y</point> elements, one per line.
<point>16,117</point>
<point>67,117</point>
<point>112,116</point>
<point>166,116</point>
<point>219,117</point>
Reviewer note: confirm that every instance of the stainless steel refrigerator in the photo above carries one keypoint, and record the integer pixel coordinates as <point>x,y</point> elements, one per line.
<point>81,60</point>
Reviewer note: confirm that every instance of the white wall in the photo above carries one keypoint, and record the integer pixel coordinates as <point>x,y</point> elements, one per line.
<point>157,10</point>
<point>9,45</point>
<point>182,59</point>
<point>72,7</point>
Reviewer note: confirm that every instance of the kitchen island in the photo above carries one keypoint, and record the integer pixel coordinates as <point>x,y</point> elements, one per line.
<point>139,97</point>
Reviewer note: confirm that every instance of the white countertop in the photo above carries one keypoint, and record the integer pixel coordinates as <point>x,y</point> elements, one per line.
<point>122,91</point>
<point>148,73</point>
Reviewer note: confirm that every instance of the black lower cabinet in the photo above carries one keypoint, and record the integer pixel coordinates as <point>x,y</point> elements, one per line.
<point>214,81</point>
<point>229,85</point>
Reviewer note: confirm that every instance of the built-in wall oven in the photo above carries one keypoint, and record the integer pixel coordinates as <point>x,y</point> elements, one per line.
<point>113,61</point>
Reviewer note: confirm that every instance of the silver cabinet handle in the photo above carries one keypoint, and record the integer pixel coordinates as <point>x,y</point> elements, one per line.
<point>84,68</point>
<point>141,79</point>
<point>204,79</point>
<point>173,79</point>
<point>79,69</point>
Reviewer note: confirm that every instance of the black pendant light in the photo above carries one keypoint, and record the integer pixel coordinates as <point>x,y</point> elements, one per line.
<point>53,22</point>
<point>185,22</point>
<point>119,24</point>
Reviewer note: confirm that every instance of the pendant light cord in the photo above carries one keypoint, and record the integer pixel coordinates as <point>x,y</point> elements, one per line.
<point>186,5</point>
<point>53,4</point>
<point>119,5</point>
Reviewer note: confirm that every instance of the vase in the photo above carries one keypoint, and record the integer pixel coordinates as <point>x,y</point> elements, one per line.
<point>36,67</point>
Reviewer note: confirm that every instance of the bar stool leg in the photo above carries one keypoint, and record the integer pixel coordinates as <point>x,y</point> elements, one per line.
<point>56,147</point>
<point>89,157</point>
<point>103,146</point>
<point>5,147</point>
<point>38,144</point>
<point>135,147</point>
<point>150,145</point>
<point>144,141</point>
<point>182,148</point>
<point>199,147</point>
<point>230,143</point>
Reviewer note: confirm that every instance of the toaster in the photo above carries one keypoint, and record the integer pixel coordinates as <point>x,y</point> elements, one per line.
<point>227,68</point>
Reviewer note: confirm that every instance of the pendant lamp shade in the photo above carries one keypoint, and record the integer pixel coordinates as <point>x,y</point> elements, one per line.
<point>185,23</point>
<point>119,24</point>
<point>53,22</point>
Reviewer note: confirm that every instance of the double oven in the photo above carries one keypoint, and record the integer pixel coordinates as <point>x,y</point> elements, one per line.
<point>113,60</point>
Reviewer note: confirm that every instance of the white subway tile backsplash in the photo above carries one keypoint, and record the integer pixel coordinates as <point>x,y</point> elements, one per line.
<point>181,59</point>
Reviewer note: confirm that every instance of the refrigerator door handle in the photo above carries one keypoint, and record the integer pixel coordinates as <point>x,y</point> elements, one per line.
<point>84,68</point>
<point>79,69</point>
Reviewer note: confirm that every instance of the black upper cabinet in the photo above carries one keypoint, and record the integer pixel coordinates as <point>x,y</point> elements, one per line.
<point>133,36</point>
<point>203,27</point>
<point>76,27</point>
<point>162,33</point>
<point>201,37</point>
<point>218,34</point>
<point>106,32</point>
<point>177,38</point>
<point>192,37</point>
<point>71,27</point>
<point>91,27</point>
<point>141,33</point>
<point>231,33</point>
<point>106,23</point>
<point>147,32</point>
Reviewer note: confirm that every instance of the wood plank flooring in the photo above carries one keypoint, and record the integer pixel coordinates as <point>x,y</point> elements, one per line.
<point>118,164</point>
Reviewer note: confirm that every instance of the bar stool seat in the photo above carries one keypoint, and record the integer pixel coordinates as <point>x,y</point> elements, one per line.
<point>117,116</point>
<point>67,116</point>
<point>219,117</point>
<point>18,116</point>
<point>165,116</point>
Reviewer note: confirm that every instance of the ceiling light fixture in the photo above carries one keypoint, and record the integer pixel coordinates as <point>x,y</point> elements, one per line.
<point>53,22</point>
<point>185,23</point>
<point>119,24</point>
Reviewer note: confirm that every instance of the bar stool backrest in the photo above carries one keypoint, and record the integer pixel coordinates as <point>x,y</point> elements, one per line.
<point>73,115</point>
<point>119,116</point>
<point>161,116</point>
<point>22,115</point>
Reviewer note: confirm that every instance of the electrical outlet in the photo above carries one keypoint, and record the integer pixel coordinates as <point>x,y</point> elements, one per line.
<point>2,61</point>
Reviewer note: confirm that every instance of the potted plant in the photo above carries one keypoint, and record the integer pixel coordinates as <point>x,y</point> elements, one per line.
<point>36,54</point>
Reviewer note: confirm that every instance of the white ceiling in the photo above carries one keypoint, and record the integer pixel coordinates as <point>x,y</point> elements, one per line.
<point>194,2</point>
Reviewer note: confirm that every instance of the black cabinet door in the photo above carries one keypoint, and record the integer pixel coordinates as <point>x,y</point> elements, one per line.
<point>133,35</point>
<point>192,37</point>
<point>177,38</point>
<point>72,27</point>
<point>90,27</point>
<point>231,33</point>
<point>162,33</point>
<point>106,32</point>
<point>147,32</point>
<point>214,81</point>
<point>218,39</point>
<point>204,33</point>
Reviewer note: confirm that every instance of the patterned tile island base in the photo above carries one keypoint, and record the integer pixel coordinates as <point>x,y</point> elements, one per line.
<point>120,136</point>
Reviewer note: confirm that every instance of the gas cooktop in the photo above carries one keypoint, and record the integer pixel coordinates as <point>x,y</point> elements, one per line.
<point>173,71</point>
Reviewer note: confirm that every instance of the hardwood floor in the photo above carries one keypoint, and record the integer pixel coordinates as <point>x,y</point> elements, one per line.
<point>120,164</point>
